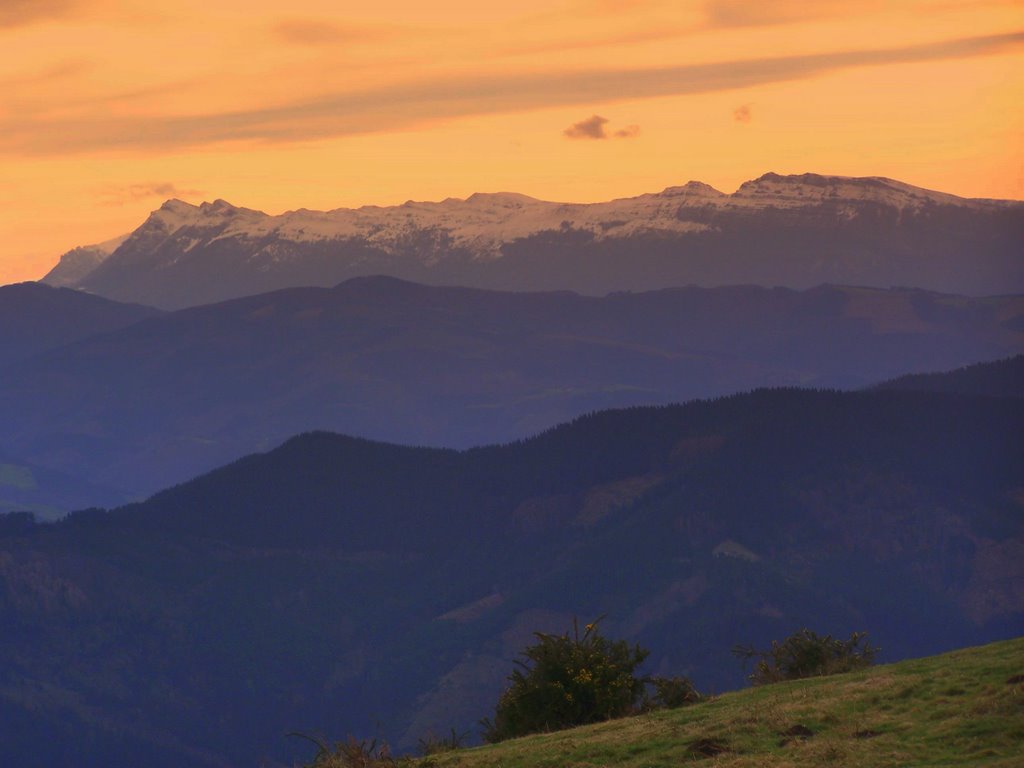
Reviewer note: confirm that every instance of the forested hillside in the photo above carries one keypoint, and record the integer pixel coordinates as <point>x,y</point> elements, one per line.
<point>343,586</point>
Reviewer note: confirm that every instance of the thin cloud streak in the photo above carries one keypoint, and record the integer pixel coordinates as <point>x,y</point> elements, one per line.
<point>730,14</point>
<point>57,72</point>
<point>120,195</point>
<point>18,13</point>
<point>629,38</point>
<point>322,32</point>
<point>407,105</point>
<point>743,13</point>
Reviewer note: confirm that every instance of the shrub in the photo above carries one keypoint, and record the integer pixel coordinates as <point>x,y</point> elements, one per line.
<point>568,681</point>
<point>806,654</point>
<point>351,754</point>
<point>435,745</point>
<point>672,693</point>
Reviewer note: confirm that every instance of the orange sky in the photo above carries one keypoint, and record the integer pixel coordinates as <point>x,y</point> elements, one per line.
<point>108,107</point>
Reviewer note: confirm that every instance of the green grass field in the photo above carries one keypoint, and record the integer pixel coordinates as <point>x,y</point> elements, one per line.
<point>964,708</point>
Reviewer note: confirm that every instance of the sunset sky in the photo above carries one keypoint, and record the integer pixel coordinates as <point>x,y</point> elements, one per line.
<point>109,107</point>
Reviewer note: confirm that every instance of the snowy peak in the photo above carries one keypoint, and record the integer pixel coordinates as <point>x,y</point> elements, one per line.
<point>218,208</point>
<point>79,262</point>
<point>501,199</point>
<point>810,188</point>
<point>175,214</point>
<point>692,189</point>
<point>174,211</point>
<point>176,206</point>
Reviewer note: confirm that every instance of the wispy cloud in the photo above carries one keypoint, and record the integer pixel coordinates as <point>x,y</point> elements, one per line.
<point>16,13</point>
<point>315,32</point>
<point>591,128</point>
<point>120,195</point>
<point>60,71</point>
<point>606,41</point>
<point>415,103</point>
<point>594,128</point>
<point>744,13</point>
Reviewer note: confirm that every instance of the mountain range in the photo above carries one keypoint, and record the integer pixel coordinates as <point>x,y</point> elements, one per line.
<point>356,583</point>
<point>159,400</point>
<point>336,585</point>
<point>793,231</point>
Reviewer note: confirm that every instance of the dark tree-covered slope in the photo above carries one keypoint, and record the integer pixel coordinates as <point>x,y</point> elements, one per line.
<point>1001,378</point>
<point>338,585</point>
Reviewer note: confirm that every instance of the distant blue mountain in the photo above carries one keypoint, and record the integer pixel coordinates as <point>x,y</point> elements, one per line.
<point>171,396</point>
<point>36,317</point>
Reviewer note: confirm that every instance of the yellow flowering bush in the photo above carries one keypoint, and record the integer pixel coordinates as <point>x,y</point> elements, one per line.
<point>568,680</point>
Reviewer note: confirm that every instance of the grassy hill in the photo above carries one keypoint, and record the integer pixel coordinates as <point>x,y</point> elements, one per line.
<point>964,708</point>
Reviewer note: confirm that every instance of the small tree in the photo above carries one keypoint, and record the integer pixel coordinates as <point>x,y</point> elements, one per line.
<point>806,654</point>
<point>568,681</point>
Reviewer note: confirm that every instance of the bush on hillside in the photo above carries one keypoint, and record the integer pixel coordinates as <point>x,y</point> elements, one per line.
<point>566,681</point>
<point>807,654</point>
<point>672,693</point>
<point>352,753</point>
<point>436,745</point>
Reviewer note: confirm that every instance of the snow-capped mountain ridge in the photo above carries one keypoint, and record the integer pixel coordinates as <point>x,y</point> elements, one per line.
<point>483,221</point>
<point>796,231</point>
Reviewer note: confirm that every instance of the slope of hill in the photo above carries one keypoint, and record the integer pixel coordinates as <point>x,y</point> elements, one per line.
<point>35,318</point>
<point>795,231</point>
<point>166,399</point>
<point>1001,378</point>
<point>961,709</point>
<point>336,585</point>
